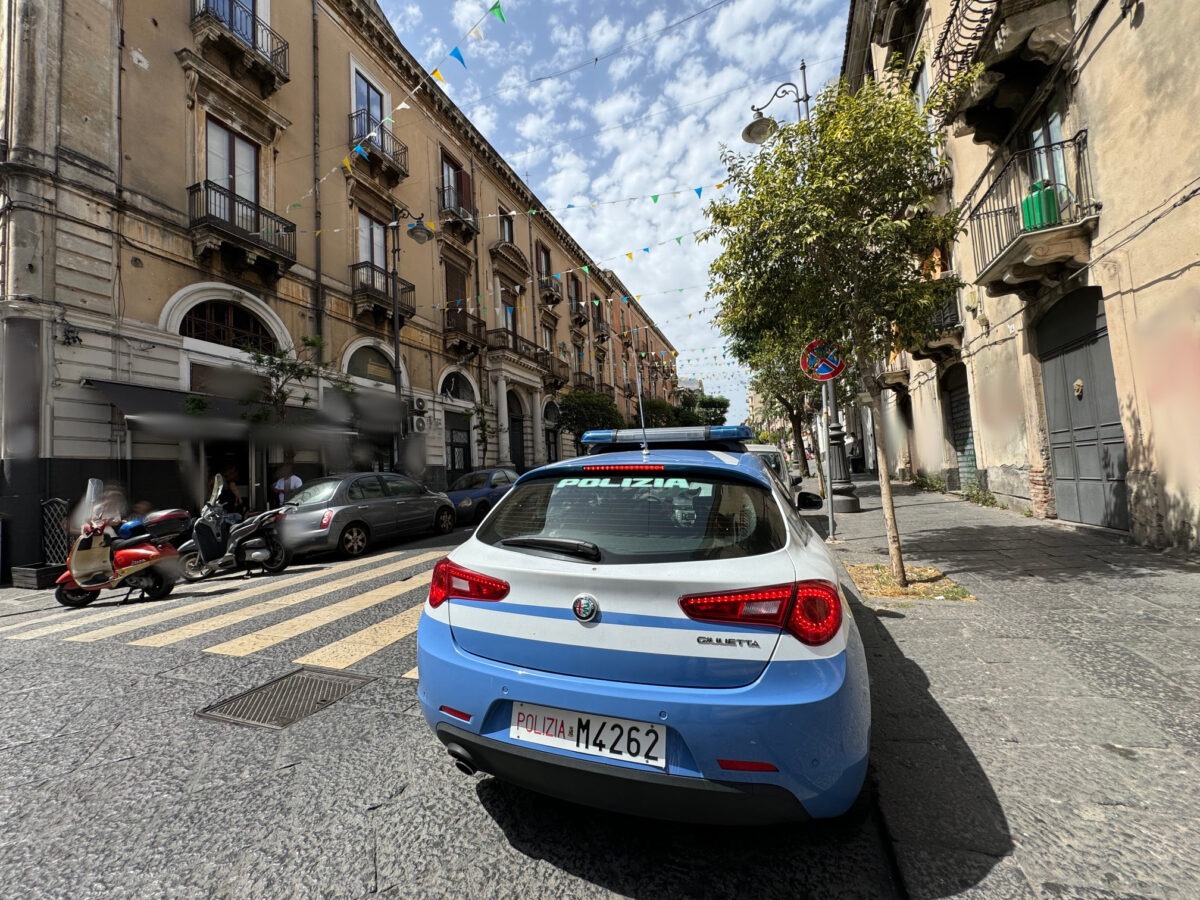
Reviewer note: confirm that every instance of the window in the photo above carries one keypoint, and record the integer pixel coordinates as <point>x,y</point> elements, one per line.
<point>229,325</point>
<point>399,486</point>
<point>542,253</point>
<point>368,99</point>
<point>231,163</point>
<point>456,287</point>
<point>597,310</point>
<point>547,337</point>
<point>456,387</point>
<point>1045,138</point>
<point>372,241</point>
<point>508,304</point>
<point>456,186</point>
<point>367,362</point>
<point>506,225</point>
<point>366,488</point>
<point>573,290</point>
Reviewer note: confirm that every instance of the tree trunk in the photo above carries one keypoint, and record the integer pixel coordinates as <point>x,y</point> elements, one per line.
<point>797,420</point>
<point>895,556</point>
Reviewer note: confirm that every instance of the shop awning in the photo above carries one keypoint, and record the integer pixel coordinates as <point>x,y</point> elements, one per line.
<point>187,416</point>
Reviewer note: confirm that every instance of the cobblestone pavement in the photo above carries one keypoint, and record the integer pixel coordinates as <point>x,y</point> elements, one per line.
<point>1042,741</point>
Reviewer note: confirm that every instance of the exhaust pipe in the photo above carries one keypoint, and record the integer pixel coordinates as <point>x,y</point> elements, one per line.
<point>462,759</point>
<point>259,555</point>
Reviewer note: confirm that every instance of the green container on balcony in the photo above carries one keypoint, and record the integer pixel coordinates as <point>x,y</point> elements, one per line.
<point>1039,208</point>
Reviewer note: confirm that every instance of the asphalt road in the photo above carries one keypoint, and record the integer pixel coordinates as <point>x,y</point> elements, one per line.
<point>110,785</point>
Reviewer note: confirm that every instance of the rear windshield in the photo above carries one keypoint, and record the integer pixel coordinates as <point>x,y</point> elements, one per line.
<point>316,492</point>
<point>633,519</point>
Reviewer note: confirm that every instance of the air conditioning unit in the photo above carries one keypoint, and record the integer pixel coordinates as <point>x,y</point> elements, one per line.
<point>419,405</point>
<point>418,425</point>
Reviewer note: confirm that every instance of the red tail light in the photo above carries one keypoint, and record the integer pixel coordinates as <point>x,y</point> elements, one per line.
<point>631,467</point>
<point>811,611</point>
<point>451,580</point>
<point>326,518</point>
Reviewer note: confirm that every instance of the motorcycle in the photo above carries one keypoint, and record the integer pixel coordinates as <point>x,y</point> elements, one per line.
<point>219,543</point>
<point>101,559</point>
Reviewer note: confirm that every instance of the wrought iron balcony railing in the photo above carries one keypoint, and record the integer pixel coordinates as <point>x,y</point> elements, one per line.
<point>462,327</point>
<point>601,330</point>
<point>369,282</point>
<point>607,390</point>
<point>584,381</point>
<point>458,204</point>
<point>579,312</point>
<point>503,339</point>
<point>959,40</point>
<point>239,22</point>
<point>1037,189</point>
<point>365,128</point>
<point>240,219</point>
<point>550,289</point>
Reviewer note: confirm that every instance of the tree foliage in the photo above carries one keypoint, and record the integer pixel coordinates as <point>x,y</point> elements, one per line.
<point>282,379</point>
<point>581,411</point>
<point>659,413</point>
<point>829,235</point>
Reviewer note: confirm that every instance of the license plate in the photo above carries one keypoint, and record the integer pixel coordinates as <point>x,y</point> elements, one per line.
<point>604,736</point>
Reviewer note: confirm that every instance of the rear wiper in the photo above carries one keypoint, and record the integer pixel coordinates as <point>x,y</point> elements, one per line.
<point>585,549</point>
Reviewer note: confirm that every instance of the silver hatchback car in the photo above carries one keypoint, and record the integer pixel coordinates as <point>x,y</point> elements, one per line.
<point>349,512</point>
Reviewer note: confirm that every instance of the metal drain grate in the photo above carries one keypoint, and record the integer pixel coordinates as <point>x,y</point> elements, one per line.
<point>279,703</point>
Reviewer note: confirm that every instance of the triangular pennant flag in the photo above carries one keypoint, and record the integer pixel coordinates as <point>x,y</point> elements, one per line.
<point>360,151</point>
<point>294,206</point>
<point>437,73</point>
<point>595,302</point>
<point>457,54</point>
<point>629,254</point>
<point>645,249</point>
<point>570,206</point>
<point>403,105</point>
<point>475,33</point>
<point>679,241</point>
<point>655,197</point>
<point>388,120</point>
<point>346,163</point>
<point>699,191</point>
<point>558,275</point>
<point>721,185</point>
<point>498,12</point>
<point>585,270</point>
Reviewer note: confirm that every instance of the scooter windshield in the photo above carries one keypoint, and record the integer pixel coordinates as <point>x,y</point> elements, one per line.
<point>218,486</point>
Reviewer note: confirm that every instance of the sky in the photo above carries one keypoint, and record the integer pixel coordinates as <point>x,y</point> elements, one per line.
<point>601,106</point>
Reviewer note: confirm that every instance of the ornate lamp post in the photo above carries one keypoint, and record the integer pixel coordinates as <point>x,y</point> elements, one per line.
<point>418,231</point>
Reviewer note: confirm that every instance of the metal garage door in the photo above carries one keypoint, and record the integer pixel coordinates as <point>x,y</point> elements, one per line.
<point>1083,414</point>
<point>958,408</point>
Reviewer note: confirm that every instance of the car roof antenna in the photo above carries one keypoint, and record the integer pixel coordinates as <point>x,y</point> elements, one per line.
<point>637,373</point>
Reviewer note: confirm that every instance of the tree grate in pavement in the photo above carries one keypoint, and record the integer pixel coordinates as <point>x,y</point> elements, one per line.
<point>290,698</point>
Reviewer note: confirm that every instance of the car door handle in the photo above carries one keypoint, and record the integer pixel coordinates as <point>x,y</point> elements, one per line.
<point>364,506</point>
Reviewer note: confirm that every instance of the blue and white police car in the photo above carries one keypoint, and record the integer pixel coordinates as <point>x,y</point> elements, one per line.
<point>651,630</point>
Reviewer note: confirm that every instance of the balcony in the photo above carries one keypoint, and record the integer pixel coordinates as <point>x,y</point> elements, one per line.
<point>601,331</point>
<point>371,291</point>
<point>253,48</point>
<point>463,334</point>
<point>579,313</point>
<point>1036,218</point>
<point>550,290</point>
<point>501,339</point>
<point>892,374</point>
<point>946,329</point>
<point>243,232</point>
<point>457,212</point>
<point>556,374</point>
<point>583,381</point>
<point>387,156</point>
<point>627,338</point>
<point>630,389</point>
<point>1017,41</point>
<point>607,390</point>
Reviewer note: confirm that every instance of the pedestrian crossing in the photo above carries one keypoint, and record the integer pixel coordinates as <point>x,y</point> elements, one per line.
<point>312,603</point>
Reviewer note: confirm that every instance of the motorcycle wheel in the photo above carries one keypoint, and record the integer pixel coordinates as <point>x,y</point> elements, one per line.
<point>156,585</point>
<point>280,558</point>
<point>192,567</point>
<point>74,597</point>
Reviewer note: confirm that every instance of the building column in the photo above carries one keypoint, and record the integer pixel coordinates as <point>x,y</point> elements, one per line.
<point>504,456</point>
<point>539,437</point>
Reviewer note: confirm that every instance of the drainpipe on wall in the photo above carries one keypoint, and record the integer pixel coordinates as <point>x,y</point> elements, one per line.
<point>318,298</point>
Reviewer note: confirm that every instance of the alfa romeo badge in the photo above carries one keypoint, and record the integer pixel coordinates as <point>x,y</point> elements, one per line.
<point>585,608</point>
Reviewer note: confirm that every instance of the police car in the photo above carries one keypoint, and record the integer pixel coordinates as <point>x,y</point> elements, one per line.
<point>651,628</point>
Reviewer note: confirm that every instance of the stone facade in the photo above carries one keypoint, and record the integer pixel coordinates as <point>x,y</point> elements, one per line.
<point>180,186</point>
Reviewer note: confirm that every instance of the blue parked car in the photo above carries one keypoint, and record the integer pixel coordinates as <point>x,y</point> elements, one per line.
<point>656,632</point>
<point>476,492</point>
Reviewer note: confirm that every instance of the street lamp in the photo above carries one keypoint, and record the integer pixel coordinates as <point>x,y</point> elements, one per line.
<point>419,232</point>
<point>762,127</point>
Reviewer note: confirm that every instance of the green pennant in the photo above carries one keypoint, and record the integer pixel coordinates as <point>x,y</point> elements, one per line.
<point>654,197</point>
<point>585,269</point>
<point>498,12</point>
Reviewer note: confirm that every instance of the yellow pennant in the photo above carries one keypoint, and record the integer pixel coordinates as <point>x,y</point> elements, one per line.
<point>437,73</point>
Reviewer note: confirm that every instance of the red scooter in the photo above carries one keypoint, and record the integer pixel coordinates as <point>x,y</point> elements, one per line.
<point>101,559</point>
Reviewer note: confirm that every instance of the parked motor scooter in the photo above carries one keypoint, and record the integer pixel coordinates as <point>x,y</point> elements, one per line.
<point>102,560</point>
<point>219,544</point>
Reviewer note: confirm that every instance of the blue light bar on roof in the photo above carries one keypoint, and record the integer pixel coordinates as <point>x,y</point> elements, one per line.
<point>666,435</point>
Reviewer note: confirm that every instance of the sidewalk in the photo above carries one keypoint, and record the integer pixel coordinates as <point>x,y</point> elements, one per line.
<point>1042,741</point>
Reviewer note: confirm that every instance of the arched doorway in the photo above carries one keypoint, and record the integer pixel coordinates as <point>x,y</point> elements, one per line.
<point>456,389</point>
<point>553,436</point>
<point>516,431</point>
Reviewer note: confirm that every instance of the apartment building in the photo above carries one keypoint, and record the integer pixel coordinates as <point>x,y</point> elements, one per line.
<point>1066,375</point>
<point>184,186</point>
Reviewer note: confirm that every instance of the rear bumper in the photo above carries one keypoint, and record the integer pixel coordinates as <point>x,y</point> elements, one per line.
<point>650,794</point>
<point>810,719</point>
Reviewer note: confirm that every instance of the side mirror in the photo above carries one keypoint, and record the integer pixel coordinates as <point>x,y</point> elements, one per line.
<point>797,480</point>
<point>809,500</point>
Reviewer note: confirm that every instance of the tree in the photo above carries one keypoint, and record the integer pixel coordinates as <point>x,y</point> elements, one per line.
<point>581,411</point>
<point>826,235</point>
<point>711,410</point>
<point>659,413</point>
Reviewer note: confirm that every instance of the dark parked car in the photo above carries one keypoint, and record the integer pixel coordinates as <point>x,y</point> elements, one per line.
<point>476,492</point>
<point>349,512</point>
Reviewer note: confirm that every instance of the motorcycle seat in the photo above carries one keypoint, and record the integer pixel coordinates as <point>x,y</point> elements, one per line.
<point>122,543</point>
